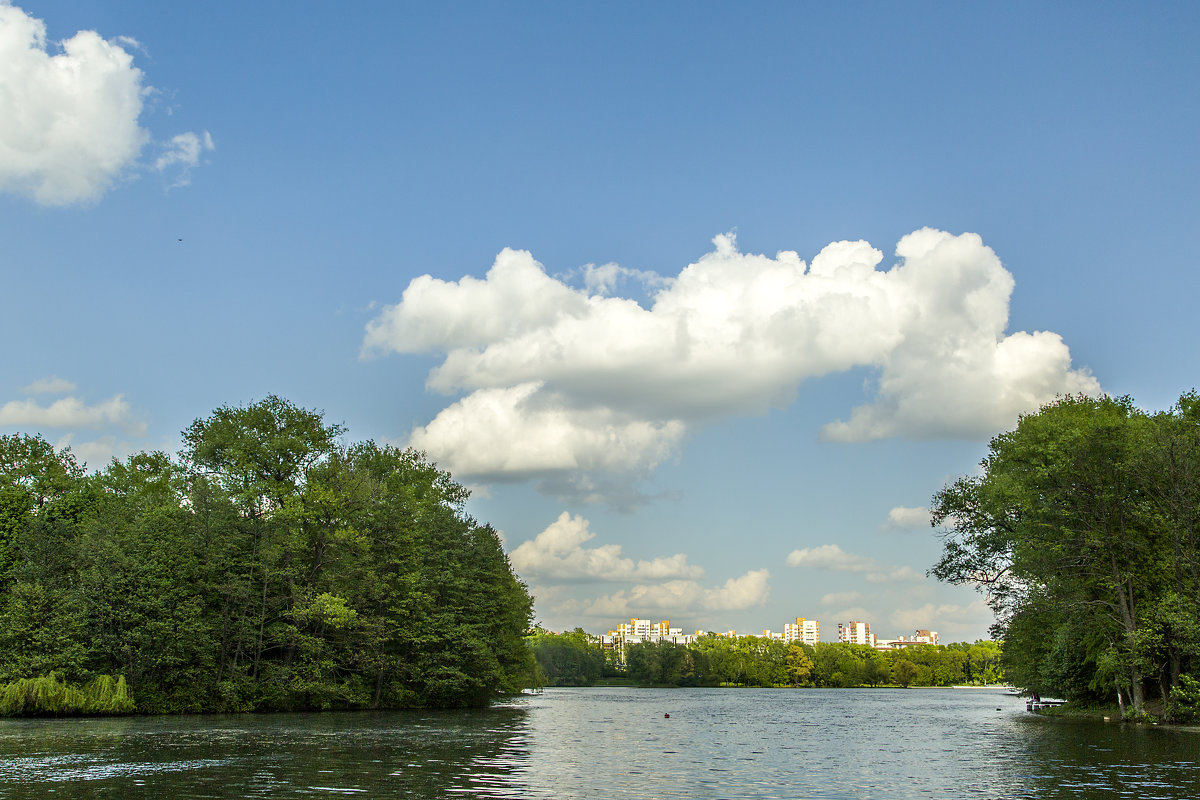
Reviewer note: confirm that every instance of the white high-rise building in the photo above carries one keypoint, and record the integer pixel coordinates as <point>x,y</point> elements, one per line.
<point>804,631</point>
<point>856,633</point>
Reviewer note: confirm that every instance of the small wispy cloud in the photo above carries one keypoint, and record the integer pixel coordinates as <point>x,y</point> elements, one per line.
<point>949,619</point>
<point>71,412</point>
<point>50,385</point>
<point>840,598</point>
<point>907,518</point>
<point>181,155</point>
<point>835,559</point>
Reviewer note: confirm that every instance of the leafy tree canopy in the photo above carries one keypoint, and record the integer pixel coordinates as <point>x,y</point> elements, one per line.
<point>271,567</point>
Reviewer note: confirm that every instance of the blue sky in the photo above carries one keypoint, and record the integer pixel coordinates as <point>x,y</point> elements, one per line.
<point>587,257</point>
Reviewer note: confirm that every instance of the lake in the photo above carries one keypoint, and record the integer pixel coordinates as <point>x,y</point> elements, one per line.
<point>615,743</point>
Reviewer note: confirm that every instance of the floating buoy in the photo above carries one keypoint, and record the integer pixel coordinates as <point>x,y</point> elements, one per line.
<point>666,716</point>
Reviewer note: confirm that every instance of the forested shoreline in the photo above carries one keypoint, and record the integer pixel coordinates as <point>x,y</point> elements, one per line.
<point>268,567</point>
<point>1081,529</point>
<point>575,658</point>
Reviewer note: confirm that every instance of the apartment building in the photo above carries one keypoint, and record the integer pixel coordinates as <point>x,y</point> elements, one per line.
<point>639,630</point>
<point>646,628</point>
<point>802,631</point>
<point>856,633</point>
<point>925,637</point>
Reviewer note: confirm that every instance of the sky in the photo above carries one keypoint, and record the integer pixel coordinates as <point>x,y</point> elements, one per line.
<point>703,302</point>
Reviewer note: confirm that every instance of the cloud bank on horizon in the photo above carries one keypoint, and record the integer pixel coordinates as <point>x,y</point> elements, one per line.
<point>69,124</point>
<point>559,562</point>
<point>555,380</point>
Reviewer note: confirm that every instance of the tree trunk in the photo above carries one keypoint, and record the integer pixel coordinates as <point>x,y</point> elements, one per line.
<point>1137,693</point>
<point>262,622</point>
<point>1129,622</point>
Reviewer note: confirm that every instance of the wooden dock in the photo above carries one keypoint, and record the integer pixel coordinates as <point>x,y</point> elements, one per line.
<point>1031,705</point>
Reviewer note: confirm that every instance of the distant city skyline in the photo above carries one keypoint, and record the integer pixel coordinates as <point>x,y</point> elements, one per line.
<point>702,303</point>
<point>804,629</point>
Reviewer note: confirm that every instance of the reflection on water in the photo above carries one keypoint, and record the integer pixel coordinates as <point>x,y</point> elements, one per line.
<point>428,754</point>
<point>586,743</point>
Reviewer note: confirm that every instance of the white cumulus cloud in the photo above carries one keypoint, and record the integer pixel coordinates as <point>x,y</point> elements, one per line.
<point>521,430</point>
<point>68,112</point>
<point>554,378</point>
<point>557,553</point>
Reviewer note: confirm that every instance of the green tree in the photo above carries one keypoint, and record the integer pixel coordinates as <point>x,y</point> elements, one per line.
<point>271,568</point>
<point>568,659</point>
<point>983,662</point>
<point>799,666</point>
<point>904,672</point>
<point>876,669</point>
<point>1080,524</point>
<point>37,484</point>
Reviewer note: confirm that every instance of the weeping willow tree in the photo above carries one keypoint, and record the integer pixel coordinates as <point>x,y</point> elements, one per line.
<point>51,695</point>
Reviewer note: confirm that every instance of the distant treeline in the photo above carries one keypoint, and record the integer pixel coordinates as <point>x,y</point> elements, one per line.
<point>576,659</point>
<point>1083,530</point>
<point>268,567</point>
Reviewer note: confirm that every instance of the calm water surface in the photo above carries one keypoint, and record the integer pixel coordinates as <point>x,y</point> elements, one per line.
<point>615,743</point>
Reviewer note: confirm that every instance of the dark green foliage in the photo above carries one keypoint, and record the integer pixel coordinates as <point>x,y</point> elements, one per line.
<point>668,664</point>
<point>1183,706</point>
<point>904,672</point>
<point>567,659</point>
<point>271,568</point>
<point>757,661</point>
<point>1082,530</point>
<point>35,483</point>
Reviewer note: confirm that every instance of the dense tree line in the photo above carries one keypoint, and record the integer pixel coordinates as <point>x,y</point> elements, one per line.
<point>575,659</point>
<point>756,661</point>
<point>669,664</point>
<point>1082,531</point>
<point>268,567</point>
